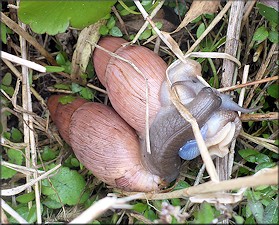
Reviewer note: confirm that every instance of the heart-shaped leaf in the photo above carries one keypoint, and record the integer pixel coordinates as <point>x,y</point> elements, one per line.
<point>54,17</point>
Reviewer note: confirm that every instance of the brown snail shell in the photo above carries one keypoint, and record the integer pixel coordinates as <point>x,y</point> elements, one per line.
<point>95,132</point>
<point>125,87</point>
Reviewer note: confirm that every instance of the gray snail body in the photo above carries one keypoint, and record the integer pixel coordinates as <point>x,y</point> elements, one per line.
<point>111,141</point>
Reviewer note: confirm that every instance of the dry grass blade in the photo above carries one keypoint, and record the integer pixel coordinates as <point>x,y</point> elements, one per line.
<point>12,212</point>
<point>259,142</point>
<point>101,206</point>
<point>144,26</point>
<point>212,55</point>
<point>24,62</point>
<point>166,38</point>
<point>17,190</point>
<point>267,176</point>
<point>21,169</point>
<point>29,136</point>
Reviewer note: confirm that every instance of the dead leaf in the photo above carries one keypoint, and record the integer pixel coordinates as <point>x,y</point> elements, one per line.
<point>198,8</point>
<point>84,49</point>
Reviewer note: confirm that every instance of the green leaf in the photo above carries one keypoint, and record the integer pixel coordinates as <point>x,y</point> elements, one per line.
<point>48,154</point>
<point>75,162</point>
<point>205,214</point>
<point>6,172</point>
<point>175,202</point>
<point>250,220</point>
<point>271,213</point>
<point>127,11</point>
<point>111,23</point>
<point>52,204</point>
<point>145,34</point>
<point>62,86</point>
<point>181,185</point>
<point>159,25</point>
<point>54,17</point>
<point>60,59</point>
<point>46,190</point>
<point>273,36</point>
<point>87,93</point>
<point>248,154</point>
<point>238,219</point>
<point>140,207</point>
<point>115,32</point>
<point>76,88</point>
<point>25,198</point>
<point>29,215</point>
<point>273,90</point>
<point>260,34</point>
<point>16,135</point>
<point>15,156</point>
<point>257,209</point>
<point>146,2</point>
<point>69,185</point>
<point>9,90</point>
<point>7,79</point>
<point>3,33</point>
<point>150,214</point>
<point>200,30</point>
<point>103,30</point>
<point>54,69</point>
<point>22,210</point>
<point>66,99</point>
<point>32,215</point>
<point>261,158</point>
<point>264,165</point>
<point>181,9</point>
<point>269,13</point>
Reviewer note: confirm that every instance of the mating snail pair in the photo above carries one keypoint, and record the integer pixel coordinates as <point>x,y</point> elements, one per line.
<point>111,141</point>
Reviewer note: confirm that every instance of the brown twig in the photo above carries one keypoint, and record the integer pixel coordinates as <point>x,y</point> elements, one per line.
<point>29,136</point>
<point>233,34</point>
<point>21,32</point>
<point>268,176</point>
<point>233,87</point>
<point>260,116</point>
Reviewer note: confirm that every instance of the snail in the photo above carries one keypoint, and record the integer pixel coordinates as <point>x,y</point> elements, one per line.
<point>110,141</point>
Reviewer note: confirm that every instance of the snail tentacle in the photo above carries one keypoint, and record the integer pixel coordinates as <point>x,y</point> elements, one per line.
<point>229,104</point>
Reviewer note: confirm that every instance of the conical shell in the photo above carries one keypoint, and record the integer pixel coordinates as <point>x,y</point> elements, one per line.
<point>104,143</point>
<point>109,147</point>
<point>61,114</point>
<point>127,88</point>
